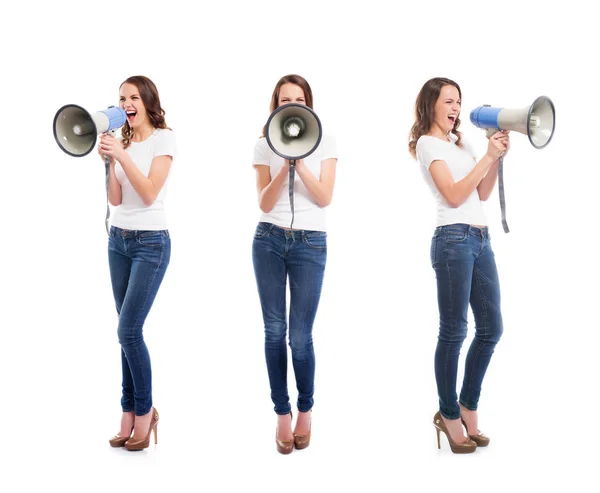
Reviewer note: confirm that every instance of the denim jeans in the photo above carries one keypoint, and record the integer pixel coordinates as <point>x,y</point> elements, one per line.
<point>300,255</point>
<point>138,261</point>
<point>466,273</point>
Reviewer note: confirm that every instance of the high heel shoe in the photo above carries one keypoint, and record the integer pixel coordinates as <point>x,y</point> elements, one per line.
<point>118,441</point>
<point>458,448</point>
<point>143,443</point>
<point>303,441</point>
<point>284,446</point>
<point>481,440</point>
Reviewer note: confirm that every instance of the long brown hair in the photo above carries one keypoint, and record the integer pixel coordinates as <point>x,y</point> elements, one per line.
<point>290,79</point>
<point>425,111</point>
<point>151,100</point>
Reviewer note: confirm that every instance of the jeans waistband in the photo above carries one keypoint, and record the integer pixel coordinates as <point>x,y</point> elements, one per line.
<point>290,233</point>
<point>465,228</point>
<point>135,233</point>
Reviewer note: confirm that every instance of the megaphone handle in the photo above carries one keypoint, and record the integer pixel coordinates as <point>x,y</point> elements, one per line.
<point>501,191</point>
<point>107,170</point>
<point>291,188</point>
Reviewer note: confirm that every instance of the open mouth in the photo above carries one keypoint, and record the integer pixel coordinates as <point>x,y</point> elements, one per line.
<point>452,119</point>
<point>131,115</point>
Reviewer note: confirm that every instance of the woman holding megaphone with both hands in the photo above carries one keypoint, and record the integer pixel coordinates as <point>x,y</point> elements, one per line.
<point>461,255</point>
<point>280,252</point>
<point>139,246</point>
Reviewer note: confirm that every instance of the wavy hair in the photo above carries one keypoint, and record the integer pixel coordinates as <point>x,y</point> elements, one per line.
<point>425,111</point>
<point>151,100</point>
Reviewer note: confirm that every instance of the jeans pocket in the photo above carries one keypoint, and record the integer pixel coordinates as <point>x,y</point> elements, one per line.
<point>454,235</point>
<point>151,238</point>
<point>261,230</point>
<point>318,240</point>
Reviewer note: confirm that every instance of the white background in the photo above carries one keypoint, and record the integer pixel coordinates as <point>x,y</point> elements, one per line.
<point>215,66</point>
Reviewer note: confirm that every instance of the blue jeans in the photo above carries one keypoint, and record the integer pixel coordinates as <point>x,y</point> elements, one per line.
<point>465,268</point>
<point>300,255</point>
<point>138,261</point>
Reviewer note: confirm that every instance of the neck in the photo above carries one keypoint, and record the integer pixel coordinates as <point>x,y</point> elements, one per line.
<point>142,132</point>
<point>436,131</point>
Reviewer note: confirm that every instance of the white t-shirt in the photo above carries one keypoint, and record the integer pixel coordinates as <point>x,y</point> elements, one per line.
<point>307,213</point>
<point>461,162</point>
<point>132,213</point>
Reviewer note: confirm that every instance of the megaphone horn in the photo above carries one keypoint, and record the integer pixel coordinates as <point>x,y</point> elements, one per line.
<point>76,130</point>
<point>536,121</point>
<point>293,131</point>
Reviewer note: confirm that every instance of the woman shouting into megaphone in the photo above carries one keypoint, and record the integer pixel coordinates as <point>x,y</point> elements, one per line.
<point>280,253</point>
<point>139,246</point>
<point>461,255</point>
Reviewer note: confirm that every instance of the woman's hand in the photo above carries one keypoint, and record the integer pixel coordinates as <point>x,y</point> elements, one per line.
<point>111,147</point>
<point>498,145</point>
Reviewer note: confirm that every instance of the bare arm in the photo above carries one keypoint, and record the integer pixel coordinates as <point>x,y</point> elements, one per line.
<point>147,187</point>
<point>320,188</point>
<point>269,189</point>
<point>456,193</point>
<point>485,188</point>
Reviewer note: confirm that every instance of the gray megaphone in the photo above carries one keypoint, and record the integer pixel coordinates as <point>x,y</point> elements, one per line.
<point>536,121</point>
<point>293,131</point>
<point>76,130</point>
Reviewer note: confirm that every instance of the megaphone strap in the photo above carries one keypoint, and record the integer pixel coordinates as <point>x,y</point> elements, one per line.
<point>291,188</point>
<point>107,169</point>
<point>501,192</point>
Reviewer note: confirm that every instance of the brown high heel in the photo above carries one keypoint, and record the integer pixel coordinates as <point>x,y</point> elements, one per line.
<point>303,441</point>
<point>118,441</point>
<point>132,444</point>
<point>481,440</point>
<point>458,448</point>
<point>284,446</point>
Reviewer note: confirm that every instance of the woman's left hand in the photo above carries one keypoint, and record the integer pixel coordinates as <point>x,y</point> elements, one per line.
<point>300,164</point>
<point>111,147</point>
<point>506,132</point>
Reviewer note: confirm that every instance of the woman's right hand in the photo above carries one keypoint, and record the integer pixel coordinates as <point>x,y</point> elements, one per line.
<point>497,145</point>
<point>102,155</point>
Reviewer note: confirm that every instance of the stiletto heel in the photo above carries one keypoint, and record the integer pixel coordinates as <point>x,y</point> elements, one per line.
<point>466,447</point>
<point>144,442</point>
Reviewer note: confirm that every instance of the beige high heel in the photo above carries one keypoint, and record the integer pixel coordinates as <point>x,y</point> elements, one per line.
<point>143,443</point>
<point>467,447</point>
<point>303,441</point>
<point>284,446</point>
<point>480,439</point>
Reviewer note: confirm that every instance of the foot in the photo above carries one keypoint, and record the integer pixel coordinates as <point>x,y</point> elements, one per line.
<point>142,425</point>
<point>302,424</point>
<point>127,420</point>
<point>455,428</point>
<point>470,418</point>
<point>284,427</point>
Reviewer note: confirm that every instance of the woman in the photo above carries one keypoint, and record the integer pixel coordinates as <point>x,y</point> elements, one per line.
<point>300,254</point>
<point>139,246</point>
<point>461,254</point>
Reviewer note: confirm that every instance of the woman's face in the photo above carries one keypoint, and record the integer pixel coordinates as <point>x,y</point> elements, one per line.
<point>290,93</point>
<point>447,108</point>
<point>131,101</point>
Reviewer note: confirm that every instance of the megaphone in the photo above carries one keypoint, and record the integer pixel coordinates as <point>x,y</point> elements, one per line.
<point>536,121</point>
<point>293,131</point>
<point>76,130</point>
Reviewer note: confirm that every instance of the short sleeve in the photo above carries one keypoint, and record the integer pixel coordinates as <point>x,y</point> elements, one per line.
<point>329,148</point>
<point>165,143</point>
<point>428,151</point>
<point>261,153</point>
